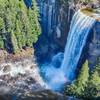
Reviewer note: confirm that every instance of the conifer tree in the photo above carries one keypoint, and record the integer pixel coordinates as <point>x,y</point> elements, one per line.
<point>21,21</point>
<point>14,42</point>
<point>77,88</point>
<point>93,88</point>
<point>1,33</point>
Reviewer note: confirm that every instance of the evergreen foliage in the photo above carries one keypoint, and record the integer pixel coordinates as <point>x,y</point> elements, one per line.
<point>19,25</point>
<point>87,85</point>
<point>1,30</point>
<point>93,87</point>
<point>77,87</point>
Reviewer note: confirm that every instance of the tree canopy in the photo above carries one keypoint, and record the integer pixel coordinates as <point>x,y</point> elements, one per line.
<point>87,85</point>
<point>19,25</point>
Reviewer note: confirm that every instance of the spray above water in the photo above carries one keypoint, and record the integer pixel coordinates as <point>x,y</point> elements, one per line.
<point>62,70</point>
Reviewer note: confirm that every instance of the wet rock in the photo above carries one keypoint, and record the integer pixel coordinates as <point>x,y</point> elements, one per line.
<point>4,90</point>
<point>56,60</point>
<point>7,68</point>
<point>39,95</point>
<point>42,95</point>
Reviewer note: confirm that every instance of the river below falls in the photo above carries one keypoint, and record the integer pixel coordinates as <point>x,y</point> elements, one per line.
<point>22,81</point>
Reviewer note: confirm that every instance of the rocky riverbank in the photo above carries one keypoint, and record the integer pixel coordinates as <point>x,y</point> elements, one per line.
<point>20,79</point>
<point>17,77</point>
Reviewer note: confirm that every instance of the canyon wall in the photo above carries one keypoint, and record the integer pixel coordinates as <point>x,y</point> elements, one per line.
<point>56,16</point>
<point>55,20</point>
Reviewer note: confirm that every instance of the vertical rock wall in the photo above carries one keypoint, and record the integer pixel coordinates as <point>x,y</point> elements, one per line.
<point>56,17</point>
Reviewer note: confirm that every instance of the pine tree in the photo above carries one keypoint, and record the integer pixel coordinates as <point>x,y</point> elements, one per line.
<point>1,42</point>
<point>77,88</point>
<point>21,21</point>
<point>93,88</point>
<point>1,33</point>
<point>14,42</point>
<point>34,22</point>
<point>1,24</point>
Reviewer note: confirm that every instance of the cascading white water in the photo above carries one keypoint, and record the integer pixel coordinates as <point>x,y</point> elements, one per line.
<point>56,77</point>
<point>21,76</point>
<point>79,30</point>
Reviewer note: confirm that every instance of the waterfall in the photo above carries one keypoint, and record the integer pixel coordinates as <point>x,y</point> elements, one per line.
<point>63,66</point>
<point>79,30</point>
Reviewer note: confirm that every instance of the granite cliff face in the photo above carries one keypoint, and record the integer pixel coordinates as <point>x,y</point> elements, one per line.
<point>55,20</point>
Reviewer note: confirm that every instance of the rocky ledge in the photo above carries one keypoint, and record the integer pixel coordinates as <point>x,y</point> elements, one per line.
<point>18,56</point>
<point>94,13</point>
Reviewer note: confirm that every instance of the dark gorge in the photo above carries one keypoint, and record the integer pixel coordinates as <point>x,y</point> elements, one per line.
<point>57,29</point>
